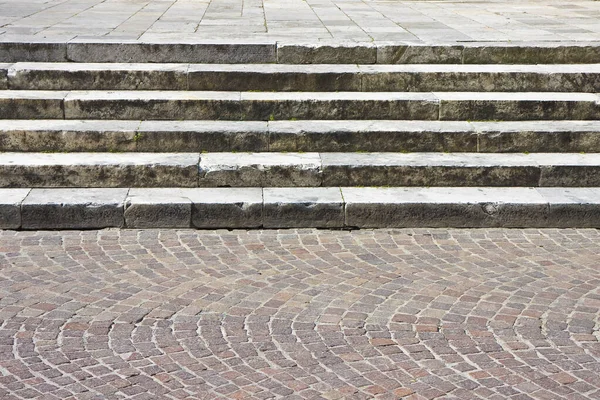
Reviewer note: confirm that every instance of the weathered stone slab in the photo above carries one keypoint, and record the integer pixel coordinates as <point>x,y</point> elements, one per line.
<point>394,53</point>
<point>214,208</point>
<point>531,53</point>
<point>569,169</point>
<point>538,136</point>
<point>482,106</point>
<point>202,136</point>
<point>158,208</point>
<point>275,77</point>
<point>33,51</point>
<point>10,207</point>
<point>85,76</point>
<point>98,170</point>
<point>572,207</point>
<point>259,169</point>
<point>3,76</point>
<point>326,53</point>
<point>233,52</point>
<point>67,136</point>
<point>371,135</point>
<point>429,169</point>
<point>303,208</point>
<point>444,207</point>
<point>31,104</point>
<point>73,208</point>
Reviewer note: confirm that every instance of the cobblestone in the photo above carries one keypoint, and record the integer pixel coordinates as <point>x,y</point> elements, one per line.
<point>300,314</point>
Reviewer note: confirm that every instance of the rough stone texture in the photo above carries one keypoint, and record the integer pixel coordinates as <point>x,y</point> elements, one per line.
<point>396,136</point>
<point>538,136</point>
<point>518,106</point>
<point>98,170</point>
<point>569,169</point>
<point>94,51</point>
<point>202,136</point>
<point>33,50</point>
<point>394,53</point>
<point>572,207</point>
<point>435,207</point>
<point>323,53</point>
<point>429,169</point>
<point>274,77</point>
<point>158,208</point>
<point>73,208</point>
<point>10,207</point>
<point>3,76</point>
<point>227,207</point>
<point>260,169</point>
<point>112,76</point>
<point>31,104</point>
<point>302,208</point>
<point>452,313</point>
<point>531,53</point>
<point>68,136</point>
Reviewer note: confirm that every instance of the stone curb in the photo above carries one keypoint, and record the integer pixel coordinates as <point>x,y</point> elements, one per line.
<point>294,208</point>
<point>299,136</point>
<point>80,50</point>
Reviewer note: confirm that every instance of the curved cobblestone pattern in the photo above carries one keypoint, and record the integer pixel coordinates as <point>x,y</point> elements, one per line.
<point>298,314</point>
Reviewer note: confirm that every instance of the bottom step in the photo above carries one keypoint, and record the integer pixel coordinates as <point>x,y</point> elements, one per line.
<point>352,207</point>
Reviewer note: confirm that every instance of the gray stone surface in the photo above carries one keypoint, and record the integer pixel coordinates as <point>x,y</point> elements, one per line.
<point>429,169</point>
<point>323,53</point>
<point>10,207</point>
<point>399,53</point>
<point>482,106</point>
<point>69,136</point>
<point>33,49</point>
<point>180,50</point>
<point>31,104</point>
<point>3,76</point>
<point>73,208</point>
<point>434,207</point>
<point>158,208</point>
<point>572,207</point>
<point>303,208</point>
<point>227,207</point>
<point>98,170</point>
<point>85,76</point>
<point>260,169</point>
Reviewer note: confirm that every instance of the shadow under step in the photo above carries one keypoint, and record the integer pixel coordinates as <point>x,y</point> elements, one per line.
<point>297,169</point>
<point>349,208</point>
<point>265,106</point>
<point>312,78</point>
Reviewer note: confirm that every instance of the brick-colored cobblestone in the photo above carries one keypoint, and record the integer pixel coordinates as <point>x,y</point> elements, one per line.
<point>300,314</point>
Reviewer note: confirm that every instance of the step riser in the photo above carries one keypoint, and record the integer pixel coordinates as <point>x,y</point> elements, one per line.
<point>432,108</point>
<point>284,208</point>
<point>178,78</point>
<point>273,52</point>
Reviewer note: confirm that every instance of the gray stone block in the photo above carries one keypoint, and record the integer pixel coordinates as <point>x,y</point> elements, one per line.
<point>531,53</point>
<point>569,169</point>
<point>572,207</point>
<point>94,51</point>
<point>3,76</point>
<point>259,169</point>
<point>158,208</point>
<point>73,208</point>
<point>33,51</point>
<point>21,104</point>
<point>392,53</point>
<point>98,170</point>
<point>214,208</point>
<point>444,207</point>
<point>303,208</point>
<point>10,207</point>
<point>326,53</point>
<point>83,76</point>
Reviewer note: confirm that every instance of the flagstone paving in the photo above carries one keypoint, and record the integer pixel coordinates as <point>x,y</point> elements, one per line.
<point>313,20</point>
<point>421,314</point>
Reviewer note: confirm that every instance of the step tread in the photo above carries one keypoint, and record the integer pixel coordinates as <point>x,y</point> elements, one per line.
<point>334,207</point>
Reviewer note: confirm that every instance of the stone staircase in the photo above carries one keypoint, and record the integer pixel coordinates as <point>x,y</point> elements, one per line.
<point>291,136</point>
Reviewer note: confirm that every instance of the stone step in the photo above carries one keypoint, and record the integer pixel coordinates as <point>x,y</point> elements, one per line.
<point>282,77</point>
<point>299,136</point>
<point>271,51</point>
<point>21,170</point>
<point>350,208</point>
<point>264,106</point>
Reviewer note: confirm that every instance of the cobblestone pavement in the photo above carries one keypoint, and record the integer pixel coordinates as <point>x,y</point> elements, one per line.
<point>354,20</point>
<point>424,314</point>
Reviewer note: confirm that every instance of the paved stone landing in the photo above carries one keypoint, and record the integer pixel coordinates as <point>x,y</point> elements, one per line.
<point>420,314</point>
